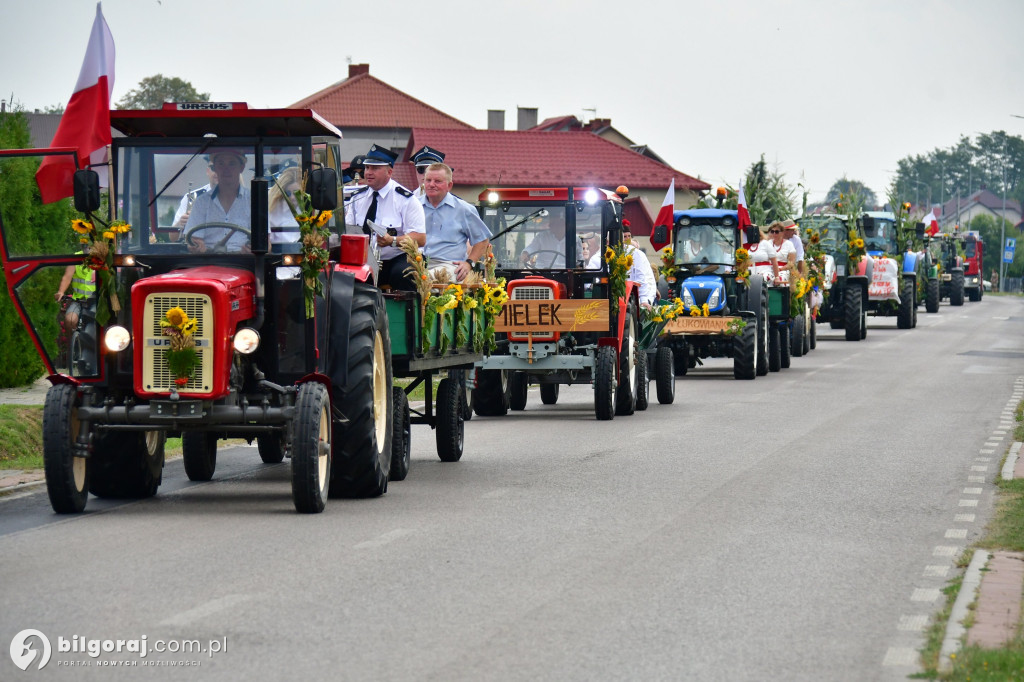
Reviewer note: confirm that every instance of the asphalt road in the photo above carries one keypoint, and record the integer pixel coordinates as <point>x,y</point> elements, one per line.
<point>796,527</point>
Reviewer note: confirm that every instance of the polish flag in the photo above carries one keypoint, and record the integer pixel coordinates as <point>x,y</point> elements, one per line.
<point>931,225</point>
<point>666,215</point>
<point>85,125</point>
<point>742,214</point>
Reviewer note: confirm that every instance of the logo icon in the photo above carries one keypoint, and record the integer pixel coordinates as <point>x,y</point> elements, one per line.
<point>23,653</point>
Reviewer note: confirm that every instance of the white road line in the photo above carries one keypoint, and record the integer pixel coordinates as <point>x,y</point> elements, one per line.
<point>972,491</point>
<point>945,550</point>
<point>928,594</point>
<point>936,571</point>
<point>964,518</point>
<point>956,534</point>
<point>385,539</point>
<point>968,503</point>
<point>203,610</point>
<point>979,468</point>
<point>912,623</point>
<point>900,656</point>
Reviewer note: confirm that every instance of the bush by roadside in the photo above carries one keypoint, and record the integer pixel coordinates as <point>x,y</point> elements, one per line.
<point>21,437</point>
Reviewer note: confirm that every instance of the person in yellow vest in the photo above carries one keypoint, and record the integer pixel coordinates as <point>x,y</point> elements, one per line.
<point>82,280</point>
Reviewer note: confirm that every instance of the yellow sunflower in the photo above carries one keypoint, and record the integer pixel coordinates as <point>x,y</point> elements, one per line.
<point>177,317</point>
<point>190,326</point>
<point>81,226</point>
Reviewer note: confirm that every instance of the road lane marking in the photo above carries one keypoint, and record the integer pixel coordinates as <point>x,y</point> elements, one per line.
<point>934,571</point>
<point>972,491</point>
<point>968,503</point>
<point>385,539</point>
<point>900,656</point>
<point>928,594</point>
<point>945,550</point>
<point>956,534</point>
<point>912,623</point>
<point>203,610</point>
<point>964,518</point>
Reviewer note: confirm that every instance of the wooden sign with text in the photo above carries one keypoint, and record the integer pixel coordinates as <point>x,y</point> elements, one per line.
<point>559,315</point>
<point>698,325</point>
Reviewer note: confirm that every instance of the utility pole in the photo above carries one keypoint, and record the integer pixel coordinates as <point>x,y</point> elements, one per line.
<point>1002,235</point>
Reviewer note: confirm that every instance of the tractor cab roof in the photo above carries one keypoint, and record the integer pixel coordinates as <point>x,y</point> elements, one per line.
<point>705,213</point>
<point>221,119</point>
<point>552,194</point>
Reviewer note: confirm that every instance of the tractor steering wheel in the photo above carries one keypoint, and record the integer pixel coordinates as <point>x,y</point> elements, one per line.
<point>530,263</point>
<point>220,246</point>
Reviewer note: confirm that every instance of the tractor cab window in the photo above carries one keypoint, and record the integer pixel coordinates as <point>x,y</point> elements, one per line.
<point>535,237</point>
<point>881,236</point>
<point>706,243</point>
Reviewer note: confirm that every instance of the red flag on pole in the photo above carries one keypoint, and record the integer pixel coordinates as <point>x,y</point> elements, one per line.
<point>666,215</point>
<point>85,125</point>
<point>930,223</point>
<point>742,214</point>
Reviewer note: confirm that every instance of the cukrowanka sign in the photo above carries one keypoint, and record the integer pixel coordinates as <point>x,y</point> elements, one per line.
<point>558,315</point>
<point>698,325</point>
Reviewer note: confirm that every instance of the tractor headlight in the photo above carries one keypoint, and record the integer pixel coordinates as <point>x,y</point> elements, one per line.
<point>590,196</point>
<point>247,341</point>
<point>492,198</point>
<point>687,298</point>
<point>116,338</point>
<point>713,299</point>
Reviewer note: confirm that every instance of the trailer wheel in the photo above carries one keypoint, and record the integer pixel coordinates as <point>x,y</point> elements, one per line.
<point>490,399</point>
<point>853,313</point>
<point>625,396</point>
<point>465,393</point>
<point>518,384</point>
<point>808,323</point>
<point>744,352</point>
<point>127,464</point>
<point>401,436</point>
<point>67,476</point>
<point>798,336</point>
<point>785,345</point>
<point>604,383</point>
<point>664,375</point>
<point>311,454</point>
<point>199,454</point>
<point>549,394</point>
<point>761,330</point>
<point>956,291</point>
<point>271,447</point>
<point>451,428</point>
<point>932,296</point>
<point>643,381</point>
<point>813,336</point>
<point>905,314</point>
<point>774,348</point>
<point>361,459</point>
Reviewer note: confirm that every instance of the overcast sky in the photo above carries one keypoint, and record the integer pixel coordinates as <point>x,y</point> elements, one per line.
<point>822,89</point>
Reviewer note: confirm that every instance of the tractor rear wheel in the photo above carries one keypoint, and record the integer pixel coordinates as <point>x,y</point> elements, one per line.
<point>744,352</point>
<point>956,288</point>
<point>853,313</point>
<point>361,460</point>
<point>664,375</point>
<point>271,447</point>
<point>625,396</point>
<point>813,335</point>
<point>199,454</point>
<point>905,315</point>
<point>549,394</point>
<point>932,296</point>
<point>774,349</point>
<point>401,435</point>
<point>127,464</point>
<point>67,476</point>
<point>518,385</point>
<point>490,398</point>
<point>604,383</point>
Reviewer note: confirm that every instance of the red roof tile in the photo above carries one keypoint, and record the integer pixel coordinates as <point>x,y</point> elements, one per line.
<point>362,101</point>
<point>545,159</point>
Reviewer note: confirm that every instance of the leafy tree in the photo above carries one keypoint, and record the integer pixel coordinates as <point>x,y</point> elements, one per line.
<point>768,196</point>
<point>846,187</point>
<point>155,90</point>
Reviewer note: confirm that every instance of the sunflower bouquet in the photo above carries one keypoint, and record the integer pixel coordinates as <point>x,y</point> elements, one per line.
<point>667,269</point>
<point>98,248</point>
<point>314,233</point>
<point>182,358</point>
<point>664,312</point>
<point>619,262</point>
<point>856,249</point>
<point>743,263</point>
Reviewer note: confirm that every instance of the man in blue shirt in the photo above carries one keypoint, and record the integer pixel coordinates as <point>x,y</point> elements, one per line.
<point>456,237</point>
<point>228,202</point>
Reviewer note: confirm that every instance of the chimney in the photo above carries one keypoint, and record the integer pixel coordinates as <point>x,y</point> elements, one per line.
<point>358,69</point>
<point>495,119</point>
<point>527,118</point>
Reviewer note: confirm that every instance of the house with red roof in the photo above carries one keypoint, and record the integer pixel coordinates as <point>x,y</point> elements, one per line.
<point>960,211</point>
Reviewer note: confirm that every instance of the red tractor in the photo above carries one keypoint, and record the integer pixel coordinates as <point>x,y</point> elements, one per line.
<point>974,251</point>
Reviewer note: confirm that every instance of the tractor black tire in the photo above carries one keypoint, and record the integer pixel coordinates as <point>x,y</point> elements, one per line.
<point>549,393</point>
<point>760,322</point>
<point>361,457</point>
<point>664,375</point>
<point>67,476</point>
<point>774,351</point>
<point>681,360</point>
<point>905,314</point>
<point>836,324</point>
<point>625,394</point>
<point>956,288</point>
<point>518,387</point>
<point>127,464</point>
<point>199,454</point>
<point>813,336</point>
<point>466,394</point>
<point>490,399</point>
<point>272,447</point>
<point>643,381</point>
<point>451,427</point>
<point>785,346</point>
<point>853,313</point>
<point>932,296</point>
<point>401,435</point>
<point>311,451</point>
<point>744,352</point>
<point>799,335</point>
<point>604,383</point>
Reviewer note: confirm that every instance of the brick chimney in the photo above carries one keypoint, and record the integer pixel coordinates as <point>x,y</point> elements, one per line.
<point>358,69</point>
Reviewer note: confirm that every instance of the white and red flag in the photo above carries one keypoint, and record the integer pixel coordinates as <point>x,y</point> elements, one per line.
<point>666,215</point>
<point>742,214</point>
<point>85,125</point>
<point>931,225</point>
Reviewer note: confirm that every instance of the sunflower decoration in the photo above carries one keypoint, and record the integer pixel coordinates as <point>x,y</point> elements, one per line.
<point>182,357</point>
<point>667,269</point>
<point>619,262</point>
<point>314,232</point>
<point>99,244</point>
<point>855,247</point>
<point>700,311</point>
<point>743,263</point>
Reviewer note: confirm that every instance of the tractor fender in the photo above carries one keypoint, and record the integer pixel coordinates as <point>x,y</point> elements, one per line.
<point>911,260</point>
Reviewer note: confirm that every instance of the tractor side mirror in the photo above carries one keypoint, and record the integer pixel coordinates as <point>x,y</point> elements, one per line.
<point>660,235</point>
<point>919,229</point>
<point>322,187</point>
<point>868,223</point>
<point>86,185</point>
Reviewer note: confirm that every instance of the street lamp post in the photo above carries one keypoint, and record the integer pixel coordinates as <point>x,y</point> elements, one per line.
<point>1002,235</point>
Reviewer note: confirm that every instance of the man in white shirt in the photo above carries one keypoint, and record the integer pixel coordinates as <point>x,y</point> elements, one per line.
<point>641,271</point>
<point>789,231</point>
<point>228,202</point>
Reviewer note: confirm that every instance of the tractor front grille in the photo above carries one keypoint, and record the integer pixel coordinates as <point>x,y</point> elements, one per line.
<point>156,377</point>
<point>532,294</point>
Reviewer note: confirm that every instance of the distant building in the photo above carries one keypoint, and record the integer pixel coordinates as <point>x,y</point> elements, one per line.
<point>983,202</point>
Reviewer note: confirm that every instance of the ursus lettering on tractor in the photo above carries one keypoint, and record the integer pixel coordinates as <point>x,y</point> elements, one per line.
<point>562,324</point>
<point>304,370</point>
<point>726,311</point>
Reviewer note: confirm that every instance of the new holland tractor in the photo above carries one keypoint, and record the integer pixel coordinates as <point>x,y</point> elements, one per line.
<point>726,311</point>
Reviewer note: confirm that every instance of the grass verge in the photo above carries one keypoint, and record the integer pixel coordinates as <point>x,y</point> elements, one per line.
<point>1005,531</point>
<point>21,437</point>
